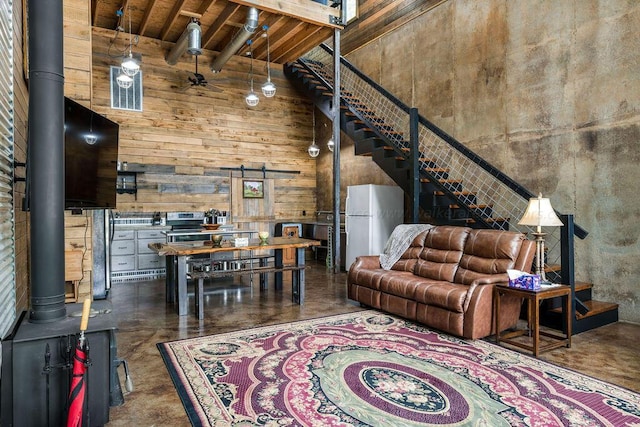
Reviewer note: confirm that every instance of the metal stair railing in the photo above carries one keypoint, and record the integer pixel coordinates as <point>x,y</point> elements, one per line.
<point>483,183</point>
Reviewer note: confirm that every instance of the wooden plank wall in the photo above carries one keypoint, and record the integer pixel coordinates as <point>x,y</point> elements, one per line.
<point>77,85</point>
<point>186,136</point>
<point>378,17</point>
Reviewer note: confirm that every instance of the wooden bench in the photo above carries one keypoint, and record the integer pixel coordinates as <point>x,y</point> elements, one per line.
<point>263,270</point>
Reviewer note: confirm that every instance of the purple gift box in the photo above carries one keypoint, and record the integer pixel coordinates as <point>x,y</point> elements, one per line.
<point>530,282</point>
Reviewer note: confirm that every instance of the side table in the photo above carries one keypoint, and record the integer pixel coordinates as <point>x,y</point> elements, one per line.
<point>534,298</point>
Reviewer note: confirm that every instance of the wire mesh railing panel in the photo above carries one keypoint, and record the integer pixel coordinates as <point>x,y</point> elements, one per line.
<point>466,180</point>
<point>383,114</point>
<point>480,188</point>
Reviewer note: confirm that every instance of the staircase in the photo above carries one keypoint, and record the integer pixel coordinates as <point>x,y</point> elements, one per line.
<point>449,182</point>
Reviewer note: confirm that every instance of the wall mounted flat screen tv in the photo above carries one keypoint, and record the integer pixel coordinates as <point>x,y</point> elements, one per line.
<point>90,157</point>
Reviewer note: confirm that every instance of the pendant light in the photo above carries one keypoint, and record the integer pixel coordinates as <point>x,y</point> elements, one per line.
<point>268,88</point>
<point>124,81</point>
<point>90,138</point>
<point>330,144</point>
<point>130,65</point>
<point>251,99</point>
<point>313,149</point>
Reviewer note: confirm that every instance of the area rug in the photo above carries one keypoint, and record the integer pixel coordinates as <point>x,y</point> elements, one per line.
<point>372,369</point>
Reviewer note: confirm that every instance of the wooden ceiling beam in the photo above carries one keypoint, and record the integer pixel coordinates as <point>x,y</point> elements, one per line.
<point>273,22</point>
<point>205,6</point>
<point>303,10</point>
<point>319,37</point>
<point>94,11</point>
<point>171,19</point>
<point>217,25</point>
<point>279,37</point>
<point>293,43</point>
<point>145,18</point>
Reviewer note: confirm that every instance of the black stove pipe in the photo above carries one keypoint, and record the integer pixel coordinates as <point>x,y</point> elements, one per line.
<point>46,157</point>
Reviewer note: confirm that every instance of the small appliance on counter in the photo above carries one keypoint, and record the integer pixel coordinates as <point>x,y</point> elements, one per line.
<point>157,219</point>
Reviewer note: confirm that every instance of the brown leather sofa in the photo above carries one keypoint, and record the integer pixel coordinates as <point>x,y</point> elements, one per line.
<point>445,279</point>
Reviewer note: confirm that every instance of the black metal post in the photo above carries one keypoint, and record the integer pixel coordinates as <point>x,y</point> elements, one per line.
<point>567,268</point>
<point>336,152</point>
<point>415,165</point>
<point>46,156</point>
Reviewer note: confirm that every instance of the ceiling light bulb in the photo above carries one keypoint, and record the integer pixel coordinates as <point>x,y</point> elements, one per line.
<point>130,65</point>
<point>124,81</point>
<point>268,89</point>
<point>330,144</point>
<point>252,99</point>
<point>313,150</point>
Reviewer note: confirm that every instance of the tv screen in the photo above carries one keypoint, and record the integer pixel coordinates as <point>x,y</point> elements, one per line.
<point>90,156</point>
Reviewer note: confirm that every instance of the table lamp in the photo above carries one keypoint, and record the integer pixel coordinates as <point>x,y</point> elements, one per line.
<point>539,213</point>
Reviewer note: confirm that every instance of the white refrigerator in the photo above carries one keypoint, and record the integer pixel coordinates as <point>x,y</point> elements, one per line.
<point>372,212</point>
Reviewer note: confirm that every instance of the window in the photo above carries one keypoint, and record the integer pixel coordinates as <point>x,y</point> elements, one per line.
<point>126,99</point>
<point>350,11</point>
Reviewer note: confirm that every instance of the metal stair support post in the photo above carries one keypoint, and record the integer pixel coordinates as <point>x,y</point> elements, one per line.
<point>567,269</point>
<point>335,108</point>
<point>415,159</point>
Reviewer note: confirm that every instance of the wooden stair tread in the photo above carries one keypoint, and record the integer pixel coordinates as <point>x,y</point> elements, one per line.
<point>582,286</point>
<point>489,220</point>
<point>595,307</point>
<point>470,206</point>
<point>455,193</point>
<point>552,268</point>
<point>442,181</point>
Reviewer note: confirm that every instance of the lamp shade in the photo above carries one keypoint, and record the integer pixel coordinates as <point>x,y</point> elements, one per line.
<point>130,65</point>
<point>540,213</point>
<point>124,81</point>
<point>252,99</point>
<point>313,150</point>
<point>268,89</point>
<point>90,138</point>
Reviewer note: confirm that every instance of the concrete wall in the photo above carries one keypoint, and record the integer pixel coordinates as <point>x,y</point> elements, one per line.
<point>549,92</point>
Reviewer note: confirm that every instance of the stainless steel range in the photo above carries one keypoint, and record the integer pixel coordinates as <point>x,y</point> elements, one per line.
<point>185,221</point>
<point>185,227</point>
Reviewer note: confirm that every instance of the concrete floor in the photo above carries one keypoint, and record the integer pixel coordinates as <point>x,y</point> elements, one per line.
<point>610,353</point>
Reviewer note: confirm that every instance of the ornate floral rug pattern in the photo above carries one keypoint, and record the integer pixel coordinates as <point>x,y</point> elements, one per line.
<point>372,369</point>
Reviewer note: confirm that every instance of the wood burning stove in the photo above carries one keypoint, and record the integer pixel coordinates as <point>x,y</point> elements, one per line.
<point>35,387</point>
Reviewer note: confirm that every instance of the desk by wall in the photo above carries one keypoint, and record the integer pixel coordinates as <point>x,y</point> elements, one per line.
<point>177,254</point>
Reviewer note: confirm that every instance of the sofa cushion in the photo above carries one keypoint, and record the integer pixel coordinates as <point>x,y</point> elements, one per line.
<point>402,283</point>
<point>450,296</point>
<point>442,252</point>
<point>488,252</point>
<point>367,278</point>
<point>407,261</point>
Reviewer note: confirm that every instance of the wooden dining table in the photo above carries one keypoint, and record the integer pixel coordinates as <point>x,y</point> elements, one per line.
<point>178,253</point>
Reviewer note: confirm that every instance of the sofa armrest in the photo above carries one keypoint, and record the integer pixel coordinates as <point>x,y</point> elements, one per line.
<point>490,279</point>
<point>366,262</point>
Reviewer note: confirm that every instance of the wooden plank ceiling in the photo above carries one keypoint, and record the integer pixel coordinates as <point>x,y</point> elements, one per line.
<point>295,26</point>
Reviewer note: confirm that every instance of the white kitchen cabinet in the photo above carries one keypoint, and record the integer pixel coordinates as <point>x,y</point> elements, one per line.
<point>131,258</point>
